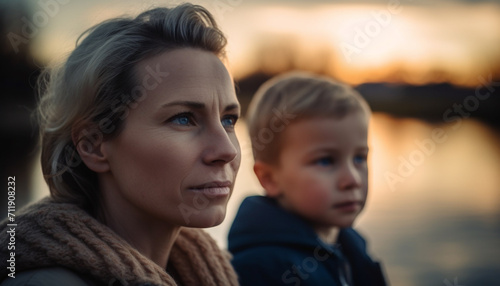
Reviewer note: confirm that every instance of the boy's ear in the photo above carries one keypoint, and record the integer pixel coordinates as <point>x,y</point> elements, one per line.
<point>266,173</point>
<point>89,145</point>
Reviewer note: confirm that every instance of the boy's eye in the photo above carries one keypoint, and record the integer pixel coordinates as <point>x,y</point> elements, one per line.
<point>229,120</point>
<point>359,159</point>
<point>184,119</point>
<point>325,161</point>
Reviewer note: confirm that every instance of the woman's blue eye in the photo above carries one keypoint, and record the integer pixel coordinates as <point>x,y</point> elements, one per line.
<point>359,159</point>
<point>326,161</point>
<point>182,119</point>
<point>229,121</point>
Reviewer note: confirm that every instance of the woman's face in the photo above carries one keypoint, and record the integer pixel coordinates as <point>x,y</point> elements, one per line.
<point>177,157</point>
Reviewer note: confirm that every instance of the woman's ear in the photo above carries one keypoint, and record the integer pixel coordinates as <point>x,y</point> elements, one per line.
<point>89,145</point>
<point>267,175</point>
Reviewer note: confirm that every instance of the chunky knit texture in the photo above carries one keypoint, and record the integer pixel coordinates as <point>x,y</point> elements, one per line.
<point>58,234</point>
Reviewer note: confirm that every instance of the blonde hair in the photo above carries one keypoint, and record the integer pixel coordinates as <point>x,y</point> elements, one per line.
<point>291,97</point>
<point>94,89</point>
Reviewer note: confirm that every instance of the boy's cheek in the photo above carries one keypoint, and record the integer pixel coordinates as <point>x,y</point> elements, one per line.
<point>318,197</point>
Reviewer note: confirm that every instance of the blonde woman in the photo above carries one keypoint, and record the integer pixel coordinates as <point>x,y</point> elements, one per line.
<point>139,151</point>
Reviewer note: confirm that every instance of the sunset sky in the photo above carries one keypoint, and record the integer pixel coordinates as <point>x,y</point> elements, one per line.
<point>355,41</point>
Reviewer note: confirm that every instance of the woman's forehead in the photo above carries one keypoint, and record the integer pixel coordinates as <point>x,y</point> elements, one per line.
<point>186,63</point>
<point>185,75</point>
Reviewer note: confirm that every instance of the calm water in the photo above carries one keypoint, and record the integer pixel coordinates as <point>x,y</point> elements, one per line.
<point>433,212</point>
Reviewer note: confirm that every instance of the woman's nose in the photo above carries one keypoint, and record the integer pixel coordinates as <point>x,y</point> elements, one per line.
<point>220,149</point>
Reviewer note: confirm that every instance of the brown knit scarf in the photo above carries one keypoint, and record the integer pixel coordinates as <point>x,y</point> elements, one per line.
<point>57,234</point>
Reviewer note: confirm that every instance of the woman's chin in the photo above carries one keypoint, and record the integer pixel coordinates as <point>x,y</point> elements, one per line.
<point>207,218</point>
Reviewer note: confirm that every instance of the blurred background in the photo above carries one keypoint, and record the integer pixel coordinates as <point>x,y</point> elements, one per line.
<point>429,69</point>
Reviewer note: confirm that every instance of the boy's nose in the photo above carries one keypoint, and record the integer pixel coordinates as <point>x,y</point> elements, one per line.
<point>350,178</point>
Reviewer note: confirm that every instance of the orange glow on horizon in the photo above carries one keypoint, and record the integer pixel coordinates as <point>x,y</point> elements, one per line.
<point>352,42</point>
<point>412,45</point>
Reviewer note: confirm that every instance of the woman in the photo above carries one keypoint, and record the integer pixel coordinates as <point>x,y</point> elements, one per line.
<point>138,144</point>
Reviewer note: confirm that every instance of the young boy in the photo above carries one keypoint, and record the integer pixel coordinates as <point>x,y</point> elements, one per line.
<point>309,138</point>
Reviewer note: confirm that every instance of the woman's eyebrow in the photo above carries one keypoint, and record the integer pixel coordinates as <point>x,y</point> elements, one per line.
<point>232,107</point>
<point>199,105</point>
<point>192,104</point>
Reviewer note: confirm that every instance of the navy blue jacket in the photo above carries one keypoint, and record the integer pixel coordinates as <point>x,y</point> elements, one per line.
<point>272,246</point>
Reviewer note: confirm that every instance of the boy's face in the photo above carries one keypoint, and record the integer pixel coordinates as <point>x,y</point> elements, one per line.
<point>322,174</point>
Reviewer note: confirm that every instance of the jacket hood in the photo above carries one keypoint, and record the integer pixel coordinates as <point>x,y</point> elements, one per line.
<point>261,221</point>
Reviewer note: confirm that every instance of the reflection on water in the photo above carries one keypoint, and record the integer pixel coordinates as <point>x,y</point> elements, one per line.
<point>443,220</point>
<point>439,221</point>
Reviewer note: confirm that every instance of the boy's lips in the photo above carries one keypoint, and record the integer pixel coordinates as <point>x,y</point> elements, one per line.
<point>348,206</point>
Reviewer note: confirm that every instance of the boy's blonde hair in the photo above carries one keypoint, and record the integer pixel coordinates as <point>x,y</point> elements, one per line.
<point>294,96</point>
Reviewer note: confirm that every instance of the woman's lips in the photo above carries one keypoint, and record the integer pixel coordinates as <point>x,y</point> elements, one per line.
<point>213,189</point>
<point>214,192</point>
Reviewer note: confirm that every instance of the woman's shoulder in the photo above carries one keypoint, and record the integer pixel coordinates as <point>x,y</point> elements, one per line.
<point>47,277</point>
